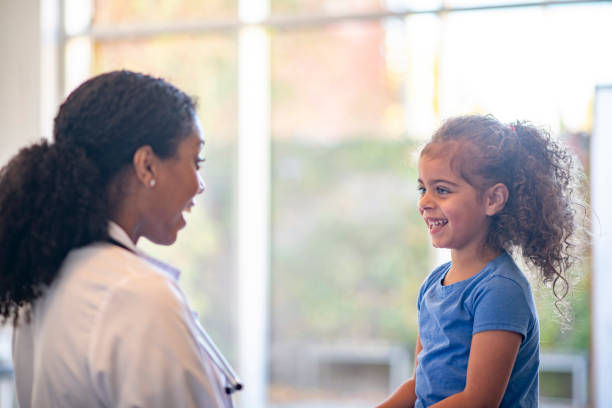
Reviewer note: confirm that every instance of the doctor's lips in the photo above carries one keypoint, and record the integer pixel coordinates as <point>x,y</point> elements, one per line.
<point>189,206</point>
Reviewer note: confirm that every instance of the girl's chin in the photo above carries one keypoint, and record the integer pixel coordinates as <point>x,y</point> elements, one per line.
<point>439,244</point>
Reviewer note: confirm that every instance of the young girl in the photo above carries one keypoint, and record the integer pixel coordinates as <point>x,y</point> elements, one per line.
<point>487,189</point>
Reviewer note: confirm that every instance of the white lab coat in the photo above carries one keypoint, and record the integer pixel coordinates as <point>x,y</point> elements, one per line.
<point>114,330</point>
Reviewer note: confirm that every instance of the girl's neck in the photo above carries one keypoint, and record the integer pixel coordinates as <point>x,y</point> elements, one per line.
<point>466,263</point>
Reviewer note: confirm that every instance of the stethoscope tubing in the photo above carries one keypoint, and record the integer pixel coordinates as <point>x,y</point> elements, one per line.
<point>233,382</point>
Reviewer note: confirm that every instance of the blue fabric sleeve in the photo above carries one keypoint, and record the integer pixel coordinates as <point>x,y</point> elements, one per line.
<point>501,305</point>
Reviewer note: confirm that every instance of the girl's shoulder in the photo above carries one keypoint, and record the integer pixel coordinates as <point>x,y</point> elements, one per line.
<point>504,267</point>
<point>500,282</point>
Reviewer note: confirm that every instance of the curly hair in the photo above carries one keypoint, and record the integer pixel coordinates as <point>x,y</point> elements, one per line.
<point>57,196</point>
<point>539,216</point>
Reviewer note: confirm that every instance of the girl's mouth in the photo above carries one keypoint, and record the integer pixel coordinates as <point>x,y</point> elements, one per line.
<point>435,224</point>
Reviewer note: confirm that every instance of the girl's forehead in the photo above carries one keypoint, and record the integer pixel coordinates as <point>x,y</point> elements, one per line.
<point>443,155</point>
<point>428,163</point>
<point>435,168</point>
<point>446,148</point>
<point>445,159</point>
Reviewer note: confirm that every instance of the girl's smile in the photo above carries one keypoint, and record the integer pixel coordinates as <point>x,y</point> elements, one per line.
<point>453,210</point>
<point>435,224</point>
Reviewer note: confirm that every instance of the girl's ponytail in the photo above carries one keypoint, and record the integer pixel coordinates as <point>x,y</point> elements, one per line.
<point>544,205</point>
<point>50,202</point>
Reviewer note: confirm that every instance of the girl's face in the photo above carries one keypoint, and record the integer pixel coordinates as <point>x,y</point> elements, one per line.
<point>453,210</point>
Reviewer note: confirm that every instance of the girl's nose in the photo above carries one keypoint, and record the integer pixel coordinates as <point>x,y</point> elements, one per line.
<point>424,203</point>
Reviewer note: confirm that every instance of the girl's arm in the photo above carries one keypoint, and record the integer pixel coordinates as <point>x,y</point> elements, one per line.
<point>492,356</point>
<point>404,396</point>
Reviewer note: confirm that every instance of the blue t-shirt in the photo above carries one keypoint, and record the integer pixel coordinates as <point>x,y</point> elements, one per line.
<point>497,298</point>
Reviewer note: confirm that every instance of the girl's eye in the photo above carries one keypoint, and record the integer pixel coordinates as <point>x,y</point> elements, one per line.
<point>421,190</point>
<point>442,190</point>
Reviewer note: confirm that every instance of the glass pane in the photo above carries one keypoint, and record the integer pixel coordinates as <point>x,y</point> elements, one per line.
<point>343,119</point>
<point>203,66</point>
<point>348,247</point>
<point>116,12</point>
<point>285,7</point>
<point>485,3</point>
<point>335,83</point>
<point>546,71</point>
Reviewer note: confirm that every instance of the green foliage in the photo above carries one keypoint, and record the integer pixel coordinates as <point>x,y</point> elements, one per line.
<point>350,250</point>
<point>558,333</point>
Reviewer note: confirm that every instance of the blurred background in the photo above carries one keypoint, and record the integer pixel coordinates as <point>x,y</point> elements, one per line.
<point>305,254</point>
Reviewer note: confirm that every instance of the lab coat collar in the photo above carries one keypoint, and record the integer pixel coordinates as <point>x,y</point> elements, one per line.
<point>119,234</point>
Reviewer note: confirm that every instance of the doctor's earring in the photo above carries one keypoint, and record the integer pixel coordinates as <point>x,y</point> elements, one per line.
<point>152,183</point>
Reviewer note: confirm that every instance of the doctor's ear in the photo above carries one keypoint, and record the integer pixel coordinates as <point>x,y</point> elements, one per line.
<point>144,162</point>
<point>496,198</point>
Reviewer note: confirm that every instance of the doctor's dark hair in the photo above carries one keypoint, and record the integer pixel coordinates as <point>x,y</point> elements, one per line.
<point>539,219</point>
<point>58,196</point>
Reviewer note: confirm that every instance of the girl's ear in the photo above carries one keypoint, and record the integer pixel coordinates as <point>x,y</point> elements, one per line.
<point>144,165</point>
<point>496,198</point>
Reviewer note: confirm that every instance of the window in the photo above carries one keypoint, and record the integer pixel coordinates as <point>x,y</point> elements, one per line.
<point>326,102</point>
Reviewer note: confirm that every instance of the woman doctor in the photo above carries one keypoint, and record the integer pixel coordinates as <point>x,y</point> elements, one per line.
<point>97,322</point>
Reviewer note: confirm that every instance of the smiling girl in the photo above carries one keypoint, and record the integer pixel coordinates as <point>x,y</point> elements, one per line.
<point>487,190</point>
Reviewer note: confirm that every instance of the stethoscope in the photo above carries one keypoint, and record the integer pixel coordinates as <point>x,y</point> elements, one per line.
<point>232,382</point>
